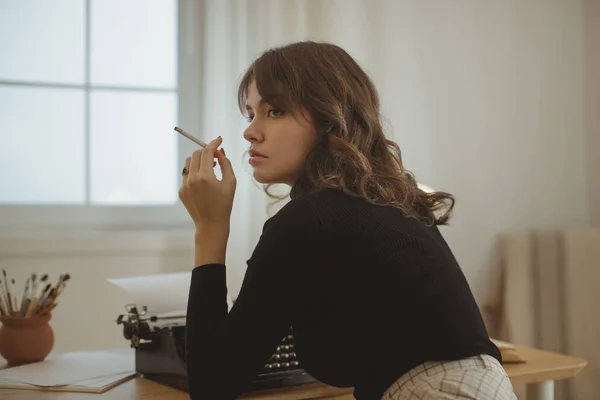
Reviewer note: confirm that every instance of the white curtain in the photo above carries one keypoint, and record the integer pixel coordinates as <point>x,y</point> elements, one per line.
<point>235,32</point>
<point>550,299</point>
<point>482,97</point>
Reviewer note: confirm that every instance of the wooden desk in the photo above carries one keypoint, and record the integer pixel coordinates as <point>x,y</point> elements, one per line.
<point>539,372</point>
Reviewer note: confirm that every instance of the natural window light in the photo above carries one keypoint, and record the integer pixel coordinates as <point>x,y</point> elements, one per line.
<point>89,98</point>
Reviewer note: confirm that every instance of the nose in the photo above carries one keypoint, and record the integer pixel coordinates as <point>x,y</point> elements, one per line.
<point>253,133</point>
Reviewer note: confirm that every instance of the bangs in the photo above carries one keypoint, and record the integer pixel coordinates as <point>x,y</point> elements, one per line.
<point>276,83</point>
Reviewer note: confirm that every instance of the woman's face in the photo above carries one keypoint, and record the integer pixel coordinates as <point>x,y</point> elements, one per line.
<point>280,141</point>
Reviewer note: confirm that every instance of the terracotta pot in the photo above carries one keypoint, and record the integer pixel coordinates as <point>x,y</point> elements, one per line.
<point>25,339</point>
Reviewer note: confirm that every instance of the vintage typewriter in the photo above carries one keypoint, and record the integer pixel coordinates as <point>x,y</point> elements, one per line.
<point>159,344</point>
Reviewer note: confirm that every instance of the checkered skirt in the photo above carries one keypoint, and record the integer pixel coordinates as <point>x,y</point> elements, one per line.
<point>481,377</point>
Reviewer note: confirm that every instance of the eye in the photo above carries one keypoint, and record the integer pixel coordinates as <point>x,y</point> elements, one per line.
<point>249,118</point>
<point>275,113</point>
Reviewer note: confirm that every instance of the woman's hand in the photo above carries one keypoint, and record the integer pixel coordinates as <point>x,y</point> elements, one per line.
<point>208,200</point>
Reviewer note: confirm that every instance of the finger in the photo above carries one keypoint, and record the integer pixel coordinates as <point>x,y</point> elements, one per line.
<point>184,179</point>
<point>195,161</point>
<point>208,155</point>
<point>225,165</point>
<point>187,166</point>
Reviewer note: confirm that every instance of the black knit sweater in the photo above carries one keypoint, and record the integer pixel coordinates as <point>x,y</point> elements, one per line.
<point>370,294</point>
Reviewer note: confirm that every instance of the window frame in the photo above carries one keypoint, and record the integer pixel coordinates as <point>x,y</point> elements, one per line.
<point>15,217</point>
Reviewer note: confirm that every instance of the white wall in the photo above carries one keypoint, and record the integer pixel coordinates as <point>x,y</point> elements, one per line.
<point>486,101</point>
<point>85,317</point>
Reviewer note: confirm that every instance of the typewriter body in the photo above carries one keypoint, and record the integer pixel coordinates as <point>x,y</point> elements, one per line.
<point>159,344</point>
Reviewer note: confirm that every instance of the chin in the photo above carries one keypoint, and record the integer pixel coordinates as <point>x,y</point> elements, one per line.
<point>263,177</point>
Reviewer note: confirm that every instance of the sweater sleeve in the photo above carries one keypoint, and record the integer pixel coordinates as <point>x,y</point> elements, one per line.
<point>225,351</point>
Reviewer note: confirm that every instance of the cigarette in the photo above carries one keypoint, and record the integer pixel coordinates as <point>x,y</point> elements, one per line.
<point>192,138</point>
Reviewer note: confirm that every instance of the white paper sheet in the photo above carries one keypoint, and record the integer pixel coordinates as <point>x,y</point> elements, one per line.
<point>75,368</point>
<point>162,294</point>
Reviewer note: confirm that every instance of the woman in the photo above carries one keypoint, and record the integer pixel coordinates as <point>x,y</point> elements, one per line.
<point>354,262</point>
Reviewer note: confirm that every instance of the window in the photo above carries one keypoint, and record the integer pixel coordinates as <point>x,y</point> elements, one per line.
<point>88,101</point>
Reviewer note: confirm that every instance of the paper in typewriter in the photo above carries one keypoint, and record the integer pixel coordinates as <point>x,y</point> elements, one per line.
<point>162,294</point>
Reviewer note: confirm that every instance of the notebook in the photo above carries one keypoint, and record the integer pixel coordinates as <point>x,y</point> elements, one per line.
<point>508,351</point>
<point>82,371</point>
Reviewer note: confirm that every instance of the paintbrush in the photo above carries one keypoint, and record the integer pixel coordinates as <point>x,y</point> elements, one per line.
<point>3,299</point>
<point>14,299</point>
<point>25,299</point>
<point>60,287</point>
<point>3,310</point>
<point>40,302</point>
<point>7,293</point>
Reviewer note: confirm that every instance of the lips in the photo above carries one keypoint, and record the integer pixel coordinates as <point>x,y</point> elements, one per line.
<point>254,153</point>
<point>256,158</point>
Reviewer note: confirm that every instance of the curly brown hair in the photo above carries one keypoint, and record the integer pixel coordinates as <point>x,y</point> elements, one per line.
<point>352,152</point>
